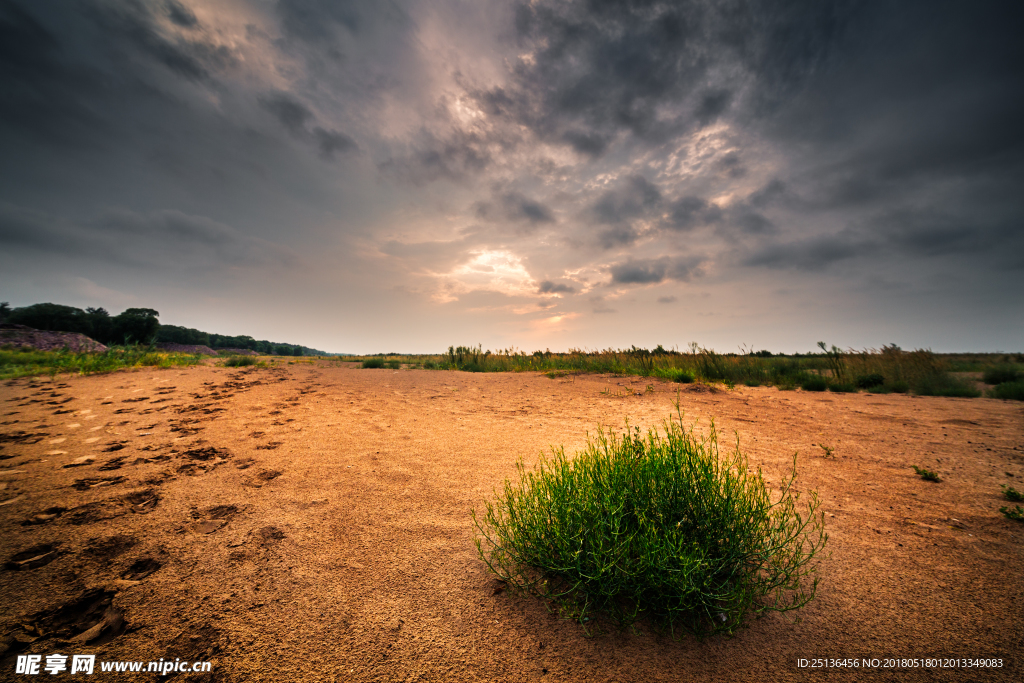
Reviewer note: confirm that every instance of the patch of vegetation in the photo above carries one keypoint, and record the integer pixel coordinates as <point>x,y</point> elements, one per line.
<point>373,363</point>
<point>1012,494</point>
<point>654,526</point>
<point>814,384</point>
<point>393,364</point>
<point>842,388</point>
<point>829,450</point>
<point>926,474</point>
<point>240,361</point>
<point>1013,391</point>
<point>869,381</point>
<point>30,362</point>
<point>752,382</point>
<point>945,385</point>
<point>1016,514</point>
<point>1001,374</point>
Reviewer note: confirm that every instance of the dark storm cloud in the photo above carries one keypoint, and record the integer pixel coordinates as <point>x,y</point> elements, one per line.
<point>653,271</point>
<point>549,287</point>
<point>651,69</point>
<point>155,240</point>
<point>462,156</point>
<point>690,212</point>
<point>295,117</point>
<point>181,15</point>
<point>515,207</point>
<point>635,198</point>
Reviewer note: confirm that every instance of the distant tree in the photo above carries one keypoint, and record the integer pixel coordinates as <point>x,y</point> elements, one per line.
<point>136,326</point>
<point>51,317</point>
<point>284,350</point>
<point>5,310</point>
<point>175,334</point>
<point>101,326</point>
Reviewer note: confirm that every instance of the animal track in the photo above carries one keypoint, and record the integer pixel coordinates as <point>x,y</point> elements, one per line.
<point>114,446</point>
<point>142,502</point>
<point>113,464</point>
<point>269,446</point>
<point>112,546</point>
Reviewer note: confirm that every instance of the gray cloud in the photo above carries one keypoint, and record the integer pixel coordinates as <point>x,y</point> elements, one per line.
<point>295,117</point>
<point>549,287</point>
<point>515,207</point>
<point>653,271</point>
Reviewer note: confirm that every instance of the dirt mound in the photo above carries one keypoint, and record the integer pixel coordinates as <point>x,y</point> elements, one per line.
<point>186,348</point>
<point>20,335</point>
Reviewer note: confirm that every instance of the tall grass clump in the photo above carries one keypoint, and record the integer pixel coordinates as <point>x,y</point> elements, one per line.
<point>240,361</point>
<point>1001,374</point>
<point>654,526</point>
<point>373,363</point>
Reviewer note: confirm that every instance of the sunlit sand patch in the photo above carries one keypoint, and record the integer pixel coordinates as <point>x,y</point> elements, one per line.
<point>56,452</point>
<point>85,411</point>
<point>92,439</point>
<point>84,460</point>
<point>57,441</point>
<point>93,429</point>
<point>90,417</point>
<point>74,425</point>
<point>12,500</point>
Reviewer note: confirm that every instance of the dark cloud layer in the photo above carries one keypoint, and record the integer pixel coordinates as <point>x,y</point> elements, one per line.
<point>540,150</point>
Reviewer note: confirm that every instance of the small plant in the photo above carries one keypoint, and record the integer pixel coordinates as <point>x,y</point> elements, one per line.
<point>683,377</point>
<point>829,450</point>
<point>752,383</point>
<point>1012,494</point>
<point>393,364</point>
<point>649,389</point>
<point>373,363</point>
<point>240,361</point>
<point>814,384</point>
<point>925,474</point>
<point>1016,514</point>
<point>658,526</point>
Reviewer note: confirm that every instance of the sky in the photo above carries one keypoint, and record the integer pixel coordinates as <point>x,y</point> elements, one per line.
<point>368,176</point>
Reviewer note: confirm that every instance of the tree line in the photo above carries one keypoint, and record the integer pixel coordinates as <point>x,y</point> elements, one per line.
<point>137,326</point>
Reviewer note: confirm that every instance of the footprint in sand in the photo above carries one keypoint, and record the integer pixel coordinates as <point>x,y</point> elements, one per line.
<point>79,462</point>
<point>57,441</point>
<point>211,519</point>
<point>97,482</point>
<point>89,619</point>
<point>34,557</point>
<point>47,515</point>
<point>56,453</point>
<point>141,568</point>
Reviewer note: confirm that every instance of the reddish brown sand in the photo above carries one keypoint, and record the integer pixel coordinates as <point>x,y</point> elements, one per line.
<point>311,523</point>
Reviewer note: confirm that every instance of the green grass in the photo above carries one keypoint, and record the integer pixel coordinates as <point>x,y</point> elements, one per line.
<point>656,526</point>
<point>393,364</point>
<point>29,363</point>
<point>1013,391</point>
<point>926,474</point>
<point>373,363</point>
<point>1013,494</point>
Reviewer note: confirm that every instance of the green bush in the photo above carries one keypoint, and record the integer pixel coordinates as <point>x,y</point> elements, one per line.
<point>240,361</point>
<point>1008,390</point>
<point>373,363</point>
<point>899,387</point>
<point>1015,513</point>
<point>869,381</point>
<point>429,365</point>
<point>683,377</point>
<point>393,364</point>
<point>814,384</point>
<point>926,474</point>
<point>842,388</point>
<point>752,383</point>
<point>662,527</point>
<point>1000,374</point>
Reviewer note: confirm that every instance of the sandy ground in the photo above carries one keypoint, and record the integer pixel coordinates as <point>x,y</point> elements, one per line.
<point>311,523</point>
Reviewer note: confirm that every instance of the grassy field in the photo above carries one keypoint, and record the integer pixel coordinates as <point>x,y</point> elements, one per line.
<point>886,370</point>
<point>26,362</point>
